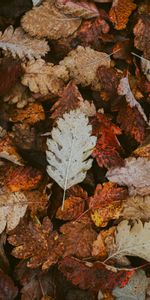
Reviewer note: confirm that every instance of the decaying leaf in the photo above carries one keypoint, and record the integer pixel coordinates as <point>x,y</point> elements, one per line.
<point>19,178</point>
<point>48,21</point>
<point>70,99</point>
<point>136,207</point>
<point>106,204</point>
<point>134,123</point>
<point>73,205</point>
<point>12,208</point>
<point>10,71</point>
<point>20,44</point>
<point>142,35</point>
<point>44,78</point>
<point>107,147</point>
<point>133,241</point>
<point>8,150</point>
<point>75,8</point>
<point>82,64</point>
<point>8,290</point>
<point>30,114</point>
<point>120,12</point>
<point>69,148</point>
<point>93,276</point>
<point>135,289</point>
<point>135,174</point>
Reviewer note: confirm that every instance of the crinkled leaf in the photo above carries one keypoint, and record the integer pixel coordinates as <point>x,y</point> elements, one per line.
<point>120,12</point>
<point>31,114</point>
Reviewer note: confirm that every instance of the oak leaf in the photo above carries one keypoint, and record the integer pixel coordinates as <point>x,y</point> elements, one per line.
<point>136,207</point>
<point>120,12</point>
<point>8,290</point>
<point>30,114</point>
<point>48,21</point>
<point>132,241</point>
<point>69,148</point>
<point>20,44</point>
<point>44,78</point>
<point>8,150</point>
<point>93,276</point>
<point>73,205</point>
<point>135,289</point>
<point>107,147</point>
<point>81,9</point>
<point>135,175</point>
<point>106,204</point>
<point>12,208</point>
<point>82,64</point>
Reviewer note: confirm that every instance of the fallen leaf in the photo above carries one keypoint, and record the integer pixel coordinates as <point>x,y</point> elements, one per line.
<point>120,12</point>
<point>81,9</point>
<point>131,241</point>
<point>19,178</point>
<point>37,201</point>
<point>136,207</point>
<point>93,276</point>
<point>99,248</point>
<point>8,151</point>
<point>44,78</point>
<point>106,204</point>
<point>73,205</point>
<point>145,65</point>
<point>82,64</point>
<point>12,208</point>
<point>48,21</point>
<point>135,175</point>
<point>30,114</point>
<point>8,290</point>
<point>18,95</point>
<point>142,35</point>
<point>107,147</point>
<point>22,45</point>
<point>135,289</point>
<point>133,124</point>
<point>10,71</point>
<point>144,149</point>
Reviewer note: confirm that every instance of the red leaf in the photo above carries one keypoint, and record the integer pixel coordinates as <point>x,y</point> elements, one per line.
<point>93,276</point>
<point>107,147</point>
<point>10,71</point>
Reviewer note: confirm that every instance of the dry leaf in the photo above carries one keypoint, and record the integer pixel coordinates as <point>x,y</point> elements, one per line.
<point>44,78</point>
<point>82,64</point>
<point>80,9</point>
<point>37,201</point>
<point>135,174</point>
<point>132,241</point>
<point>48,21</point>
<point>144,149</point>
<point>99,248</point>
<point>145,65</point>
<point>109,79</point>
<point>21,44</point>
<point>107,147</point>
<point>8,290</point>
<point>136,207</point>
<point>18,95</point>
<point>120,12</point>
<point>12,208</point>
<point>69,148</point>
<point>8,151</point>
<point>30,114</point>
<point>135,289</point>
<point>142,35</point>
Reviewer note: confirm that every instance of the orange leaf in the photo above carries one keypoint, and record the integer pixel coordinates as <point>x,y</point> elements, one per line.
<point>120,12</point>
<point>8,151</point>
<point>30,114</point>
<point>107,147</point>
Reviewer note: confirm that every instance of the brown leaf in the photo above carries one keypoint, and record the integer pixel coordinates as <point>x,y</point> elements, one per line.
<point>8,150</point>
<point>48,21</point>
<point>44,78</point>
<point>10,71</point>
<point>37,201</point>
<point>8,291</point>
<point>82,64</point>
<point>136,207</point>
<point>144,149</point>
<point>120,12</point>
<point>93,276</point>
<point>75,8</point>
<point>73,205</point>
<point>133,124</point>
<point>18,95</point>
<point>142,35</point>
<point>106,204</point>
<point>77,239</point>
<point>30,114</point>
<point>17,178</point>
<point>99,248</point>
<point>107,147</point>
